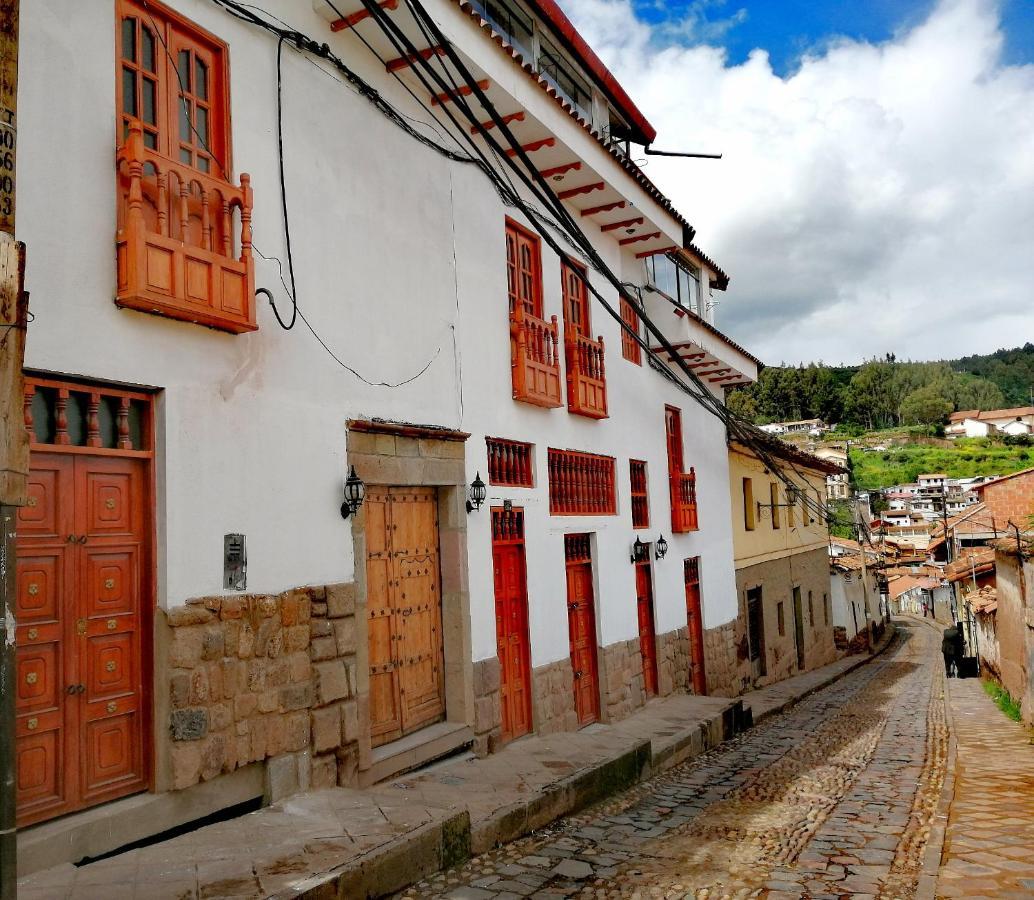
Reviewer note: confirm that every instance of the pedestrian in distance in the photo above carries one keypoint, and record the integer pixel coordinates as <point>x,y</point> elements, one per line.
<point>948,651</point>
<point>960,649</point>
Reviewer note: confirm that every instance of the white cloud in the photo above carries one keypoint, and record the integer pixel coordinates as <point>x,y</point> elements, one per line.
<point>881,198</point>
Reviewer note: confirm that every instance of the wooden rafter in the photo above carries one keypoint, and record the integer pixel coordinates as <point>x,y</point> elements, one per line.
<point>560,170</point>
<point>488,126</point>
<point>393,65</point>
<point>583,189</point>
<point>463,91</point>
<point>647,253</point>
<point>714,372</point>
<point>606,207</point>
<point>614,226</point>
<point>357,17</point>
<point>640,237</point>
<point>533,146</point>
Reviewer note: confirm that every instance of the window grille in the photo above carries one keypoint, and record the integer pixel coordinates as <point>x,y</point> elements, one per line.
<point>509,463</point>
<point>581,484</point>
<point>640,498</point>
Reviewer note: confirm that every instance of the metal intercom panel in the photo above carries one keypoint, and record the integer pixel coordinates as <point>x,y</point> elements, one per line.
<point>235,562</point>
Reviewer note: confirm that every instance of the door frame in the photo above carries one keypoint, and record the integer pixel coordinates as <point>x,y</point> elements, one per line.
<point>149,396</point>
<point>647,568</point>
<point>590,539</point>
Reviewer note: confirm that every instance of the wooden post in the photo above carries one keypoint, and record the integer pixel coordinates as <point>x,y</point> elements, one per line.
<point>14,441</point>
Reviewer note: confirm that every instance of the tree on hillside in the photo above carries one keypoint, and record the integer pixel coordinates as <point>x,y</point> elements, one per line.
<point>925,406</point>
<point>977,393</point>
<point>743,404</point>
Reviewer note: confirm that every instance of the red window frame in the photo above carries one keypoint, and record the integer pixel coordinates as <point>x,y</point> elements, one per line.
<point>630,349</point>
<point>523,270</point>
<point>640,494</point>
<point>189,123</point>
<point>510,463</point>
<point>576,299</point>
<point>673,434</point>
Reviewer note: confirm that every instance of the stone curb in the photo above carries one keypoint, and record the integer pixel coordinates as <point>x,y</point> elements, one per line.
<point>888,636</point>
<point>926,889</point>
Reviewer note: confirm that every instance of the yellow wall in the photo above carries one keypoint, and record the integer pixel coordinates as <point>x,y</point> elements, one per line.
<point>796,532</point>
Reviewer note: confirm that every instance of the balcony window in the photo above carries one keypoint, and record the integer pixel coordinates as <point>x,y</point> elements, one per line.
<point>682,485</point>
<point>676,279</point>
<point>586,372</point>
<point>562,76</point>
<point>630,348</point>
<point>513,23</point>
<point>184,229</point>
<point>581,484</point>
<point>534,342</point>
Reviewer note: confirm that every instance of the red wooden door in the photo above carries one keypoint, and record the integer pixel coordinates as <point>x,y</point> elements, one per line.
<point>403,611</point>
<point>695,621</point>
<point>511,621</point>
<point>647,632</point>
<point>83,563</point>
<point>581,623</point>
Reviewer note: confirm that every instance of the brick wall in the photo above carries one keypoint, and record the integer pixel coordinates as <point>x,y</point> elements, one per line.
<point>1010,500</point>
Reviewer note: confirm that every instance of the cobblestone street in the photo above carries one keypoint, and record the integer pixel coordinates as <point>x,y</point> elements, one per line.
<point>833,798</point>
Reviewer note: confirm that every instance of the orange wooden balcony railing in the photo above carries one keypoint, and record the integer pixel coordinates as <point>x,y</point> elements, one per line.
<point>586,376</point>
<point>509,462</point>
<point>683,501</point>
<point>535,359</point>
<point>184,241</point>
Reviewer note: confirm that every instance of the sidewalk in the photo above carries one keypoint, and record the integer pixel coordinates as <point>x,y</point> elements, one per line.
<point>989,836</point>
<point>343,842</point>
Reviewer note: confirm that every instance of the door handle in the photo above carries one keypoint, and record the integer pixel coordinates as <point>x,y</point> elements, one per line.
<point>578,674</point>
<point>75,689</point>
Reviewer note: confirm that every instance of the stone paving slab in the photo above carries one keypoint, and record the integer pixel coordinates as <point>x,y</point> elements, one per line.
<point>342,842</point>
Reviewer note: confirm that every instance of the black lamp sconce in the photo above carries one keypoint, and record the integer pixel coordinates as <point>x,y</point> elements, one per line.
<point>640,552</point>
<point>661,548</point>
<point>477,493</point>
<point>355,493</point>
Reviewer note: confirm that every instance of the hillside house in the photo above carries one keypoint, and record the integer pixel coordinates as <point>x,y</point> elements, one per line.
<point>198,609</point>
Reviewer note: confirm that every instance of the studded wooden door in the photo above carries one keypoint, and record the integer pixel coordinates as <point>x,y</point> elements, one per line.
<point>83,558</point>
<point>511,621</point>
<point>404,612</point>
<point>581,623</point>
<point>647,631</point>
<point>695,622</point>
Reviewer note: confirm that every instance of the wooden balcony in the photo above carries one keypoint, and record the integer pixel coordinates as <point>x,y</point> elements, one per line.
<point>683,501</point>
<point>535,359</point>
<point>586,376</point>
<point>184,241</point>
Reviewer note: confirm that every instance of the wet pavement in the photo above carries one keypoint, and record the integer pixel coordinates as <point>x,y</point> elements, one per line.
<point>834,798</point>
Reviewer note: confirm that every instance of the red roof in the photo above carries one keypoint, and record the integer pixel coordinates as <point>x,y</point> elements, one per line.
<point>574,43</point>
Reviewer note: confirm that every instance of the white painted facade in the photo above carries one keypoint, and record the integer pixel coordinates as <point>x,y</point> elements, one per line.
<point>399,257</point>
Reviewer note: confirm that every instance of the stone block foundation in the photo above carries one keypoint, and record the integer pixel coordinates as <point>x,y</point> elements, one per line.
<point>553,708</point>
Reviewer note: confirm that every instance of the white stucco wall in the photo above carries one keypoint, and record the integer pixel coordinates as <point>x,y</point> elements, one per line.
<point>399,259</point>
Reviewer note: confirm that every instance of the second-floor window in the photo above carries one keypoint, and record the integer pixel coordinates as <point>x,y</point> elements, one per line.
<point>748,504</point>
<point>640,496</point>
<point>523,271</point>
<point>630,349</point>
<point>773,500</point>
<point>172,79</point>
<point>676,279</point>
<point>576,300</point>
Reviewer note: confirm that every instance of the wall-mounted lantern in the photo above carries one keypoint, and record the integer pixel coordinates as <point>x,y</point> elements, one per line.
<point>640,552</point>
<point>661,547</point>
<point>355,493</point>
<point>476,494</point>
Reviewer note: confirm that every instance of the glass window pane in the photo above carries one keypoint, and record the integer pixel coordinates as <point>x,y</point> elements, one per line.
<point>75,411</point>
<point>184,70</point>
<point>185,155</point>
<point>202,163</point>
<point>129,91</point>
<point>185,130</point>
<point>107,419</point>
<point>147,47</point>
<point>150,101</point>
<point>129,39</point>
<point>43,425</point>
<point>202,126</point>
<point>137,414</point>
<point>151,139</point>
<point>200,79</point>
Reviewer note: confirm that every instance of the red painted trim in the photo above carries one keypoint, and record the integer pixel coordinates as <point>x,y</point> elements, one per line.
<point>638,238</point>
<point>393,65</point>
<point>533,146</point>
<point>488,126</point>
<point>606,207</point>
<point>614,226</point>
<point>584,189</point>
<point>647,253</point>
<point>562,27</point>
<point>560,170</point>
<point>357,17</point>
<point>463,91</point>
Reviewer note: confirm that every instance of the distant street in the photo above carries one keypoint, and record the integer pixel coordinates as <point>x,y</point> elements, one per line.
<point>835,798</point>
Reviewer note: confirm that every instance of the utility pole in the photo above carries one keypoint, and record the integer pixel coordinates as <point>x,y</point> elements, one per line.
<point>949,547</point>
<point>14,442</point>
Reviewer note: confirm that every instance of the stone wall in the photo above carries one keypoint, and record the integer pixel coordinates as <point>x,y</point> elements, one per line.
<point>622,676</point>
<point>723,649</point>
<point>257,677</point>
<point>673,662</point>
<point>553,709</point>
<point>488,713</point>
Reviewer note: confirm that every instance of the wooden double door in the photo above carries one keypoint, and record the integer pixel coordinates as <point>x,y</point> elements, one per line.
<point>647,630</point>
<point>581,624</point>
<point>511,621</point>
<point>404,611</point>
<point>695,625</point>
<point>83,588</point>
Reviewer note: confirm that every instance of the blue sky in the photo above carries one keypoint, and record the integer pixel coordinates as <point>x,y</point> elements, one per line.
<point>787,28</point>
